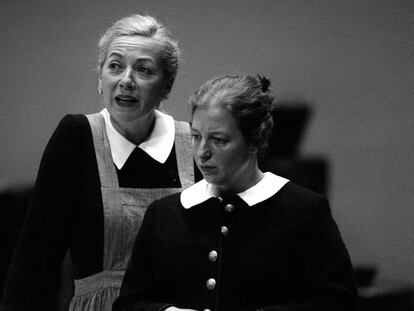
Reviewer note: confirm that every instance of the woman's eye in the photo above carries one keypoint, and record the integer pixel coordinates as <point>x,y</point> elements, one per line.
<point>144,70</point>
<point>114,66</point>
<point>218,140</point>
<point>196,137</point>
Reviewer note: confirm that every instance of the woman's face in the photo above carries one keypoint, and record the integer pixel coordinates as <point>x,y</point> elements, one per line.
<point>221,152</point>
<point>132,80</point>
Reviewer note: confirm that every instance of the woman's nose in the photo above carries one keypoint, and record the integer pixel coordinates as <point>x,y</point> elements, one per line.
<point>203,151</point>
<point>127,81</point>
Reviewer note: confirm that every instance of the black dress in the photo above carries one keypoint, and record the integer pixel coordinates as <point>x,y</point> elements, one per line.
<point>283,253</point>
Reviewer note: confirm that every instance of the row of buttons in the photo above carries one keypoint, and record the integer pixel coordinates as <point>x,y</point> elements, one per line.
<point>228,208</point>
<point>211,283</point>
<point>212,256</point>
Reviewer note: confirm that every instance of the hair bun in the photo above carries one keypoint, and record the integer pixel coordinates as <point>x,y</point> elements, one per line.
<point>264,83</point>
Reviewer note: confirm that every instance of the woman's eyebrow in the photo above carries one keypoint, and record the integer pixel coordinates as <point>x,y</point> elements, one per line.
<point>139,59</point>
<point>117,54</point>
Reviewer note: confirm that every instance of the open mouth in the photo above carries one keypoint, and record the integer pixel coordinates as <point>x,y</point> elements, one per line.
<point>125,101</point>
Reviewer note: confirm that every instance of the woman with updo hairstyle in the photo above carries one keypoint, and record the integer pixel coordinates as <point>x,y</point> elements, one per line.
<point>100,172</point>
<point>240,239</point>
<point>248,100</point>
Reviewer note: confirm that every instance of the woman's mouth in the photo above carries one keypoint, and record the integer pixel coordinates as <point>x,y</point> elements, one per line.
<point>207,169</point>
<point>125,100</point>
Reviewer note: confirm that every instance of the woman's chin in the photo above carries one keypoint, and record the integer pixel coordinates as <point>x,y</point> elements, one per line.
<point>121,108</point>
<point>125,113</point>
<point>211,179</point>
<point>216,182</point>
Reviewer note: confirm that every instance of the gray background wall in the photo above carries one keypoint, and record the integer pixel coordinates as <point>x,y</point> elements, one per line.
<point>352,59</point>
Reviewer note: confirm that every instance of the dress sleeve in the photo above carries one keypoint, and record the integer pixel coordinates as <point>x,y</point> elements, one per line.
<point>328,280</point>
<point>139,276</point>
<point>33,275</point>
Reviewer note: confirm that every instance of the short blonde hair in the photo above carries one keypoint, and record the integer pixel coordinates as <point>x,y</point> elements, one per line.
<point>145,26</point>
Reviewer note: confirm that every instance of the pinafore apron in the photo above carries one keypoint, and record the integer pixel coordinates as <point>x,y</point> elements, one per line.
<point>124,209</point>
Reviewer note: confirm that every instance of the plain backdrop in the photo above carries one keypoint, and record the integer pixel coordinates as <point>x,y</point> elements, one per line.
<point>352,60</point>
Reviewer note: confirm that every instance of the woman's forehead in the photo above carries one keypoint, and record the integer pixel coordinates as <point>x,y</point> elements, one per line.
<point>213,116</point>
<point>137,44</point>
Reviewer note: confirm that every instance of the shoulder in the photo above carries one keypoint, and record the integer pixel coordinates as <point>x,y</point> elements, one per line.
<point>303,211</point>
<point>182,127</point>
<point>181,123</point>
<point>72,124</point>
<point>171,201</point>
<point>293,191</point>
<point>298,199</point>
<point>72,134</point>
<point>166,207</point>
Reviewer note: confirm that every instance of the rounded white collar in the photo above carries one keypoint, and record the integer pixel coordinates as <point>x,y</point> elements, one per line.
<point>268,186</point>
<point>158,144</point>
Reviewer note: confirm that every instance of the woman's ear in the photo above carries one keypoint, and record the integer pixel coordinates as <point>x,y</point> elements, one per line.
<point>167,89</point>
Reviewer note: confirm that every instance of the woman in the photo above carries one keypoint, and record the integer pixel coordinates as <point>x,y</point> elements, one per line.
<point>99,173</point>
<point>240,239</point>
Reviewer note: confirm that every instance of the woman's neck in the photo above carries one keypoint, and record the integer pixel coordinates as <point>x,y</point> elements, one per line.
<point>137,130</point>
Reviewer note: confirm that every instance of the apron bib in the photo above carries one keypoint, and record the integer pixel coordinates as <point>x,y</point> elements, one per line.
<point>124,209</point>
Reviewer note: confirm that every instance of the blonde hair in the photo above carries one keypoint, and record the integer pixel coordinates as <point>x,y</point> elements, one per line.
<point>145,26</point>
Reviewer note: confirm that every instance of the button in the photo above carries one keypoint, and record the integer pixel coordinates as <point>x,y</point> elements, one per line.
<point>229,208</point>
<point>224,231</point>
<point>212,256</point>
<point>211,284</point>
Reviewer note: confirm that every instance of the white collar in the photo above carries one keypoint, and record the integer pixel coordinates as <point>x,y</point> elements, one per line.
<point>157,145</point>
<point>264,189</point>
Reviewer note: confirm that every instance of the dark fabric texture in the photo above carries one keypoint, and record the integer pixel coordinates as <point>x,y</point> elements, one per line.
<point>285,253</point>
<point>66,212</point>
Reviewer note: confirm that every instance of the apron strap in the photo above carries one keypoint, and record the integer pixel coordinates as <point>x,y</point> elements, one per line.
<point>106,167</point>
<point>183,150</point>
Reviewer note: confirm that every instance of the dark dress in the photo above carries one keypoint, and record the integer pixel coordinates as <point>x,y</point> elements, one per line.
<point>66,212</point>
<point>284,253</point>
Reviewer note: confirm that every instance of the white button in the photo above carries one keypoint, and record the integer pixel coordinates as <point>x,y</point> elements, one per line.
<point>212,256</point>
<point>211,284</point>
<point>229,208</point>
<point>224,231</point>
